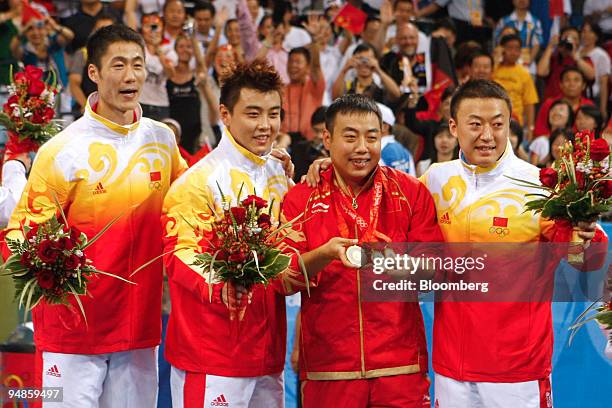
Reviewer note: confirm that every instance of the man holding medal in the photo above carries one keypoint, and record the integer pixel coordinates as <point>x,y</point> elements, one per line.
<point>355,353</point>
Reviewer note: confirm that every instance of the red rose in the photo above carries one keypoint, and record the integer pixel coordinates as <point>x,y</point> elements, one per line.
<point>65,243</point>
<point>599,149</point>
<point>548,177</point>
<point>37,118</point>
<point>36,87</point>
<point>239,214</point>
<point>47,251</point>
<point>253,199</point>
<point>48,114</point>
<point>45,279</point>
<point>72,262</point>
<point>237,257</point>
<point>20,78</point>
<point>222,255</point>
<point>264,221</point>
<point>33,73</point>
<point>8,109</point>
<point>606,191</point>
<point>26,259</point>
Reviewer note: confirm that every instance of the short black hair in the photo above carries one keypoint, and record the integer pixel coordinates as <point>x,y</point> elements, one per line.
<point>465,50</point>
<point>572,68</point>
<point>480,89</point>
<point>510,37</point>
<point>570,110</point>
<point>363,47</point>
<point>592,22</point>
<point>98,43</point>
<point>396,2</point>
<point>227,24</point>
<point>594,113</point>
<point>569,28</point>
<point>318,116</point>
<point>203,6</point>
<point>446,23</point>
<point>104,15</point>
<point>301,50</point>
<point>351,104</point>
<point>565,132</point>
<point>482,54</point>
<point>258,75</point>
<point>371,18</point>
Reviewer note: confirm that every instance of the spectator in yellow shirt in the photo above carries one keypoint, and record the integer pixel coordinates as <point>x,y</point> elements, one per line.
<point>517,81</point>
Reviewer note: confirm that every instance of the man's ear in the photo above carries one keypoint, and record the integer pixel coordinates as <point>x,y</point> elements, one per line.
<point>225,115</point>
<point>326,139</point>
<point>452,127</point>
<point>93,73</point>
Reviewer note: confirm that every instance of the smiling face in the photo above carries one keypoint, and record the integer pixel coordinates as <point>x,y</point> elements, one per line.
<point>482,127</point>
<point>407,39</point>
<point>184,49</point>
<point>255,120</point>
<point>558,116</point>
<point>119,78</point>
<point>354,146</point>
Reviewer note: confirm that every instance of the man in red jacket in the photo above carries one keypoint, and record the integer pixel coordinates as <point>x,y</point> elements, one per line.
<point>110,163</point>
<point>355,353</point>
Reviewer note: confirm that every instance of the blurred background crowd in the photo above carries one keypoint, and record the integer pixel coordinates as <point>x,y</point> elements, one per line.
<point>552,56</point>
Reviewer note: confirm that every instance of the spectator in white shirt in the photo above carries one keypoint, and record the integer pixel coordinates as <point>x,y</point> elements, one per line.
<point>590,36</point>
<point>13,182</point>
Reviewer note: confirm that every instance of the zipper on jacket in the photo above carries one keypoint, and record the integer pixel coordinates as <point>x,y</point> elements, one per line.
<point>361,341</point>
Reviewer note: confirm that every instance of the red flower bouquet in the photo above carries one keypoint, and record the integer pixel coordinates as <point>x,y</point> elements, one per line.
<point>50,263</point>
<point>243,246</point>
<point>28,113</point>
<point>577,187</point>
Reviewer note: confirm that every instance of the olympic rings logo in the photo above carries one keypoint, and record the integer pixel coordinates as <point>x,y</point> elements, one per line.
<point>499,231</point>
<point>155,185</point>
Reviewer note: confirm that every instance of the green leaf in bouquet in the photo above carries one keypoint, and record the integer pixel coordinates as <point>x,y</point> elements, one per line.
<point>535,205</point>
<point>14,245</point>
<point>270,257</point>
<point>78,301</point>
<point>26,291</point>
<point>553,209</point>
<point>13,266</point>
<point>281,262</point>
<point>59,206</point>
<point>115,276</point>
<point>102,231</point>
<point>579,210</point>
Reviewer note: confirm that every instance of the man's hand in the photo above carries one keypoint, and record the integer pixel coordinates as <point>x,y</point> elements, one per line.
<point>586,231</point>
<point>312,178</point>
<point>282,155</point>
<point>232,295</point>
<point>386,13</point>
<point>335,249</point>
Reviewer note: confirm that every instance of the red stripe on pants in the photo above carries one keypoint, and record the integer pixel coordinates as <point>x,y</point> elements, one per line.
<point>545,393</point>
<point>194,390</point>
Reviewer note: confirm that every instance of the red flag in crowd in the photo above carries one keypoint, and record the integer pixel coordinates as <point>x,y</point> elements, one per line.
<point>30,13</point>
<point>555,8</point>
<point>351,18</point>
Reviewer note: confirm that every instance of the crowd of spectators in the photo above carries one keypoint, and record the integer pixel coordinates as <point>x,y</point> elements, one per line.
<point>553,58</point>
